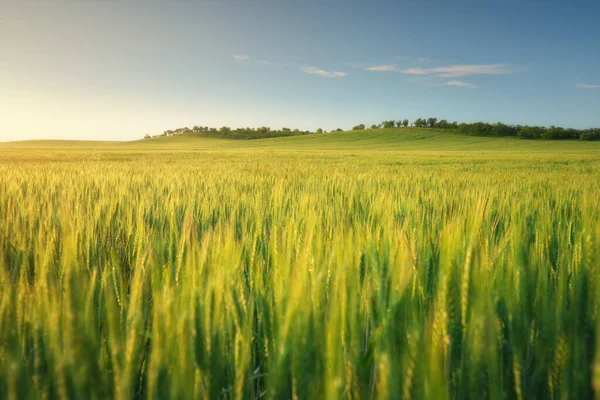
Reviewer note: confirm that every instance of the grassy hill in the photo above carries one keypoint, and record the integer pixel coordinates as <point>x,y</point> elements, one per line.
<point>398,139</point>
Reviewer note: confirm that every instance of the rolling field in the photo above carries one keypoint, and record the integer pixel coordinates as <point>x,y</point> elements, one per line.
<point>386,264</point>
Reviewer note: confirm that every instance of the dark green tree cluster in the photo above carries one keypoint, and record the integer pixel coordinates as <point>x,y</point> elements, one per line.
<point>238,133</point>
<point>590,134</point>
<point>556,132</point>
<point>385,124</point>
<point>500,129</point>
<point>391,124</point>
<point>485,129</point>
<point>528,132</point>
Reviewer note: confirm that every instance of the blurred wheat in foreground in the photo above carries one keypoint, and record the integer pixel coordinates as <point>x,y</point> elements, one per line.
<point>274,274</point>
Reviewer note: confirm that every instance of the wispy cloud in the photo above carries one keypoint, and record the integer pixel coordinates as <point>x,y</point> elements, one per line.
<point>382,68</point>
<point>460,84</point>
<point>586,86</point>
<point>451,71</point>
<point>396,60</point>
<point>241,57</point>
<point>454,71</point>
<point>323,73</point>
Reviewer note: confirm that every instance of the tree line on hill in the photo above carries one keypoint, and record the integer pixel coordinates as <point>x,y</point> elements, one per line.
<point>237,133</point>
<point>497,129</point>
<point>472,129</point>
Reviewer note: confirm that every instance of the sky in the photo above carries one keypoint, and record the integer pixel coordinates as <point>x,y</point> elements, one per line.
<point>117,70</point>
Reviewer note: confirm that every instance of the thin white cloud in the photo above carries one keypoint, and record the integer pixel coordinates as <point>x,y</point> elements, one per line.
<point>416,71</point>
<point>241,57</point>
<point>454,71</point>
<point>586,86</point>
<point>423,59</point>
<point>460,84</point>
<point>323,73</point>
<point>382,68</point>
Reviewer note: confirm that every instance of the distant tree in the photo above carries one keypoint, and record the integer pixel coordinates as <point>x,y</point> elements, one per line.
<point>531,132</point>
<point>554,132</point>
<point>264,131</point>
<point>443,124</point>
<point>405,123</point>
<point>501,129</point>
<point>419,123</point>
<point>225,130</point>
<point>358,127</point>
<point>590,134</point>
<point>180,131</point>
<point>339,130</point>
<point>389,124</point>
<point>431,122</point>
<point>147,136</point>
<point>319,130</point>
<point>374,126</point>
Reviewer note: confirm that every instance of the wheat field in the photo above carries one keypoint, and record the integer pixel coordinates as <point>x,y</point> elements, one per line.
<point>270,273</point>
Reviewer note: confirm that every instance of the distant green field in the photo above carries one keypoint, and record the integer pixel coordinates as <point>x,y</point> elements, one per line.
<point>406,263</point>
<point>409,139</point>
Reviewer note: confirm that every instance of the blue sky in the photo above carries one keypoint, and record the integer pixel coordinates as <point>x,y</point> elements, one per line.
<point>118,70</point>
